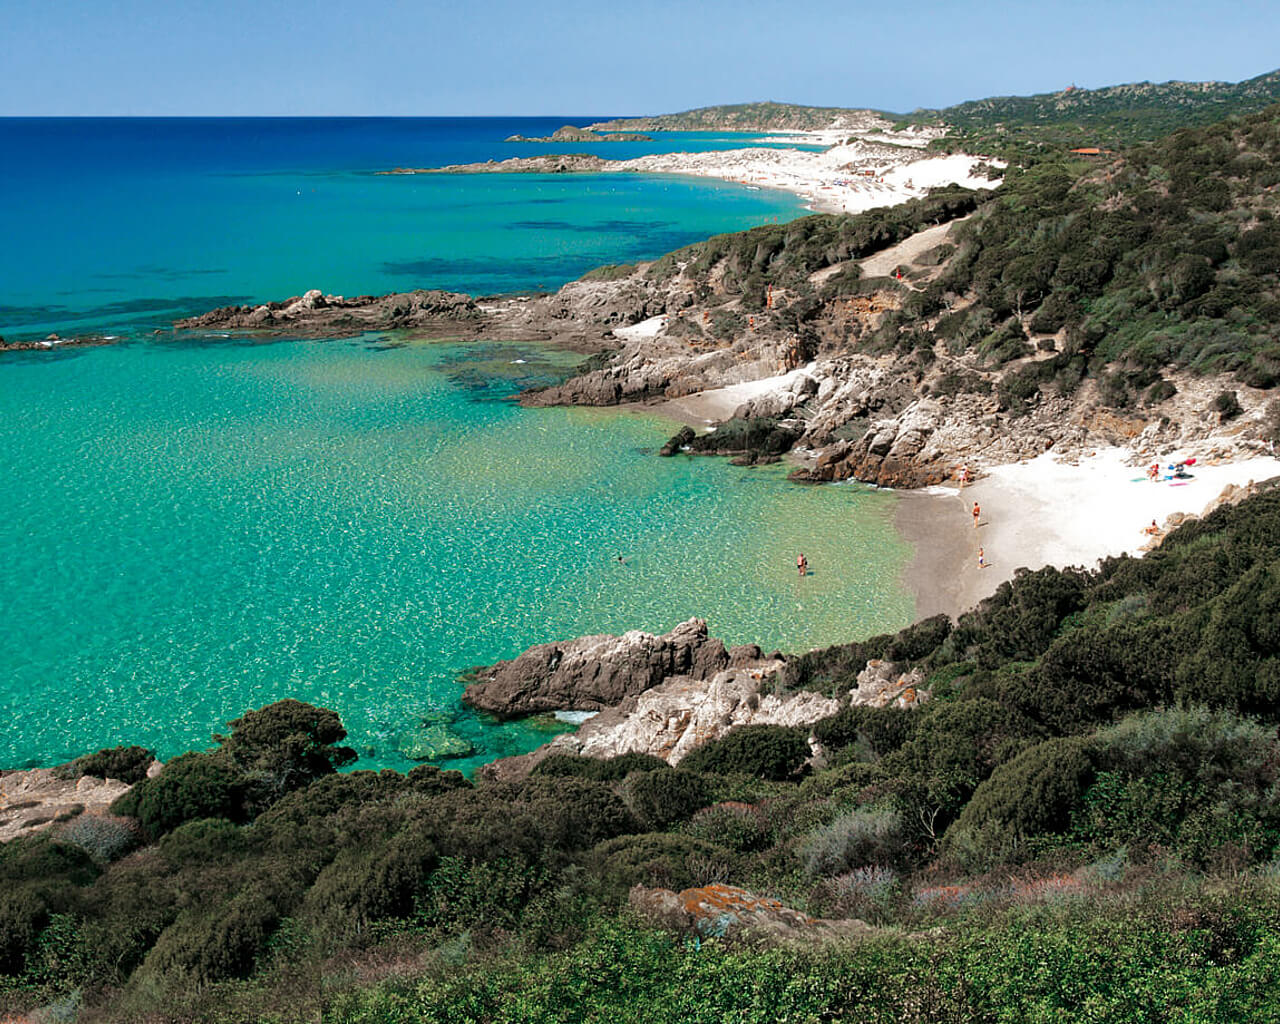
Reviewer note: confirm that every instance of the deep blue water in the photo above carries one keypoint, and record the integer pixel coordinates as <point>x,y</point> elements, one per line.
<point>126,224</point>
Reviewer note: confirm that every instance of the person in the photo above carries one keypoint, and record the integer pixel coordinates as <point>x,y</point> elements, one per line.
<point>1152,530</point>
<point>1153,473</point>
<point>982,559</point>
<point>621,560</point>
<point>976,513</point>
<point>802,564</point>
<point>964,475</point>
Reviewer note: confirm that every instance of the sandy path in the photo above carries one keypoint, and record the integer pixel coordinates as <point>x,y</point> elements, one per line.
<point>882,264</point>
<point>1045,513</point>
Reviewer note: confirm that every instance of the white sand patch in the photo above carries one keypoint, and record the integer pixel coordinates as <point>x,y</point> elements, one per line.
<point>718,404</point>
<point>644,330</point>
<point>850,177</point>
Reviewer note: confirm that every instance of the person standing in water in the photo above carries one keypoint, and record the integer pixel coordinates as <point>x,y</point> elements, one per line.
<point>802,564</point>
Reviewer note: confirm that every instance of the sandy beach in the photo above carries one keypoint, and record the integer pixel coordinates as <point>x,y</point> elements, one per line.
<point>847,178</point>
<point>1046,512</point>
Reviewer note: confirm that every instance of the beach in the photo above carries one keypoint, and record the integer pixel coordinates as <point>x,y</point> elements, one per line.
<point>1046,512</point>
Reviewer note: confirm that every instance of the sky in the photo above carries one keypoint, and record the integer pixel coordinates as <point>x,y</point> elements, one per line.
<point>511,57</point>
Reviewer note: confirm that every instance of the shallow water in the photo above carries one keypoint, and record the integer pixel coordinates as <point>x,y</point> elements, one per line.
<point>194,530</point>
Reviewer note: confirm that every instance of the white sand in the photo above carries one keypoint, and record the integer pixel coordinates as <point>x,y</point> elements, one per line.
<point>650,328</point>
<point>715,405</point>
<point>1044,512</point>
<point>846,178</point>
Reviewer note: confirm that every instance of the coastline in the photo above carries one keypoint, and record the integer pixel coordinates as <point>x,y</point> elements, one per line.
<point>1045,512</point>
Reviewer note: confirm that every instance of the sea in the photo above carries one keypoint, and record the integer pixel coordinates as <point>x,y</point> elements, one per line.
<point>197,525</point>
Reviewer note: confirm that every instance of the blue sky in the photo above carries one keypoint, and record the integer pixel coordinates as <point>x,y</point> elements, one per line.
<point>475,57</point>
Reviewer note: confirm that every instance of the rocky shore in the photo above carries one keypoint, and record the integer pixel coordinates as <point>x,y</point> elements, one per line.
<point>662,695</point>
<point>571,133</point>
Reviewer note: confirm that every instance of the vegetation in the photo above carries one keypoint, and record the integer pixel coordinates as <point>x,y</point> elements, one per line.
<point>1028,128</point>
<point>1098,749</point>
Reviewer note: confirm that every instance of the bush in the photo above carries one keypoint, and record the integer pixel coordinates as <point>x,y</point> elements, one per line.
<point>660,799</point>
<point>289,741</point>
<point>739,827</point>
<point>207,944</point>
<point>1227,406</point>
<point>864,835</point>
<point>602,770</point>
<point>658,859</point>
<point>363,885</point>
<point>23,916</point>
<point>1035,793</point>
<point>575,813</point>
<point>104,838</point>
<point>128,764</point>
<point>880,730</point>
<point>189,787</point>
<point>766,751</point>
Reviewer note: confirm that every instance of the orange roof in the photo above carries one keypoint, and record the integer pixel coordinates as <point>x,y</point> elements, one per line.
<point>1088,151</point>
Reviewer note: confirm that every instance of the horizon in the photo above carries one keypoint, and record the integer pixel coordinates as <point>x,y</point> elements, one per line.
<point>147,58</point>
<point>598,116</point>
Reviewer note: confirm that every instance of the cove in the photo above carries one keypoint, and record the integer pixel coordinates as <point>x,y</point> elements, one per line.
<point>195,529</point>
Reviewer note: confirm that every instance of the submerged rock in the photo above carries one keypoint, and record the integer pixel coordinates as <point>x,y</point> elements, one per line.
<point>434,742</point>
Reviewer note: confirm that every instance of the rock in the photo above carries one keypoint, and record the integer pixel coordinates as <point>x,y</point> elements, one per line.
<point>671,719</point>
<point>434,742</point>
<point>882,684</point>
<point>728,911</point>
<point>594,672</point>
<point>36,799</point>
<point>680,440</point>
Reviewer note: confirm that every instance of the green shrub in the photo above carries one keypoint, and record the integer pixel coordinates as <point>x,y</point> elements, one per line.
<point>104,838</point>
<point>765,751</point>
<point>1034,794</point>
<point>610,769</point>
<point>128,764</point>
<point>1227,405</point>
<point>575,813</point>
<point>737,826</point>
<point>189,787</point>
<point>367,884</point>
<point>23,916</point>
<point>663,798</point>
<point>659,859</point>
<point>864,835</point>
<point>213,943</point>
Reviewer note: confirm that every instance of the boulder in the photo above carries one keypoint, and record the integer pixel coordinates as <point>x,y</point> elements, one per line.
<point>883,684</point>
<point>728,911</point>
<point>594,672</point>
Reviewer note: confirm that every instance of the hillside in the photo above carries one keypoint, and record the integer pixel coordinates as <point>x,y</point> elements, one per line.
<point>1111,117</point>
<point>1079,304</point>
<point>748,117</point>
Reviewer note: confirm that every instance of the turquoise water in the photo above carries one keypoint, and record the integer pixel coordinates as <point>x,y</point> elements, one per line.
<point>195,528</point>
<point>191,530</point>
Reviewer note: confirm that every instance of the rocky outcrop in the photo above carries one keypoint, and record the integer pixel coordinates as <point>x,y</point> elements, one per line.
<point>673,718</point>
<point>725,911</point>
<point>552,163</point>
<point>315,314</point>
<point>571,133</point>
<point>595,672</point>
<point>883,684</point>
<point>36,799</point>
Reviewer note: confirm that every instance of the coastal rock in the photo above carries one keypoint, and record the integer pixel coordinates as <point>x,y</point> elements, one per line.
<point>571,133</point>
<point>883,684</point>
<point>726,911</point>
<point>673,718</point>
<point>36,799</point>
<point>315,314</point>
<point>594,672</point>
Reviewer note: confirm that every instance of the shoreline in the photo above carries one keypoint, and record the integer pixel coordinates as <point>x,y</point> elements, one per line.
<point>1044,512</point>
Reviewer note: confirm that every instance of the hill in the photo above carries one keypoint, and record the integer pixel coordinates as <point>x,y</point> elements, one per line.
<point>1111,117</point>
<point>748,117</point>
